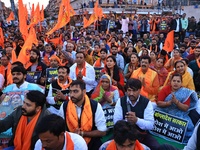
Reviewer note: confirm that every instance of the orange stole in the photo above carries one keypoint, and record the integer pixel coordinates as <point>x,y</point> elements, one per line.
<point>68,141</point>
<point>86,118</point>
<point>83,71</point>
<point>98,63</point>
<point>149,76</point>
<point>112,146</point>
<point>24,132</point>
<point>198,62</point>
<point>65,86</point>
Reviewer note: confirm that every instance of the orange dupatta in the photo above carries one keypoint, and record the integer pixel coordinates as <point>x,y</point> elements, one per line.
<point>86,118</point>
<point>65,86</point>
<point>112,146</point>
<point>198,63</point>
<point>68,141</point>
<point>98,63</point>
<point>24,132</point>
<point>83,71</point>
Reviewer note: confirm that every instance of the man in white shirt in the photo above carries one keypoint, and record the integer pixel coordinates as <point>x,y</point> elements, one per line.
<point>81,70</point>
<point>138,110</point>
<point>52,135</point>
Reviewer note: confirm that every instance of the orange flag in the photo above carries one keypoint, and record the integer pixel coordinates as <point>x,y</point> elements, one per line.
<point>72,12</point>
<point>14,57</point>
<point>36,17</point>
<point>11,17</point>
<point>24,55</point>
<point>169,42</point>
<point>26,12</point>
<point>32,12</point>
<point>42,14</point>
<point>90,21</point>
<point>22,20</point>
<point>63,16</point>
<point>1,38</point>
<point>100,13</point>
<point>84,22</point>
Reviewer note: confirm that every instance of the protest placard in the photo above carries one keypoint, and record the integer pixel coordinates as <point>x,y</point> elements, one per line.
<point>35,74</point>
<point>169,126</point>
<point>109,113</point>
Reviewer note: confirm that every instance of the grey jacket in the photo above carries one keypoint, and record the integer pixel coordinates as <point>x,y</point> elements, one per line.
<point>12,120</point>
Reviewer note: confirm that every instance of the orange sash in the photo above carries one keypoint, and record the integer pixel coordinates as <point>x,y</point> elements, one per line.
<point>98,63</point>
<point>191,51</point>
<point>24,132</point>
<point>86,118</point>
<point>112,146</point>
<point>46,60</point>
<point>198,62</point>
<point>68,141</point>
<point>64,86</point>
<point>83,71</point>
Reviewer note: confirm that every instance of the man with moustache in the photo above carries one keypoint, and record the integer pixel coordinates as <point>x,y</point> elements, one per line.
<point>58,90</point>
<point>81,70</point>
<point>84,116</point>
<point>149,79</point>
<point>24,121</point>
<point>138,110</point>
<point>37,65</point>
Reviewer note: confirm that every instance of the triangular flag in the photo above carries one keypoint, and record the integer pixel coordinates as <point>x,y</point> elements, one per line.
<point>11,17</point>
<point>22,20</point>
<point>169,42</point>
<point>1,38</point>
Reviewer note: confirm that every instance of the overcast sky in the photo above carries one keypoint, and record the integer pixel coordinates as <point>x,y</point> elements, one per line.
<point>42,2</point>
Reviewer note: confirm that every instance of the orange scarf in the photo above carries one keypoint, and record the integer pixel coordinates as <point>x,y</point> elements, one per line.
<point>83,71</point>
<point>198,62</point>
<point>191,51</point>
<point>24,132</point>
<point>112,146</point>
<point>86,117</point>
<point>64,86</point>
<point>68,141</point>
<point>46,59</point>
<point>98,63</point>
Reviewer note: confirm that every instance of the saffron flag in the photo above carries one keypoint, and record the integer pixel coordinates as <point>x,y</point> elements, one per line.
<point>42,14</point>
<point>1,38</point>
<point>63,16</point>
<point>36,17</point>
<point>32,11</point>
<point>169,42</point>
<point>11,17</point>
<point>22,20</point>
<point>90,21</point>
<point>24,55</point>
<point>14,57</point>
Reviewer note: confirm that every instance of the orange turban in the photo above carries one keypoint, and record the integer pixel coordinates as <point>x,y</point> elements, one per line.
<point>54,57</point>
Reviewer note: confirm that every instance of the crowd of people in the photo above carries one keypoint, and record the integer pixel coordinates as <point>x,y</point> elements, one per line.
<point>118,65</point>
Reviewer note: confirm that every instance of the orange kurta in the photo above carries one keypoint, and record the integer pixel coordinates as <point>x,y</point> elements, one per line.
<point>151,80</point>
